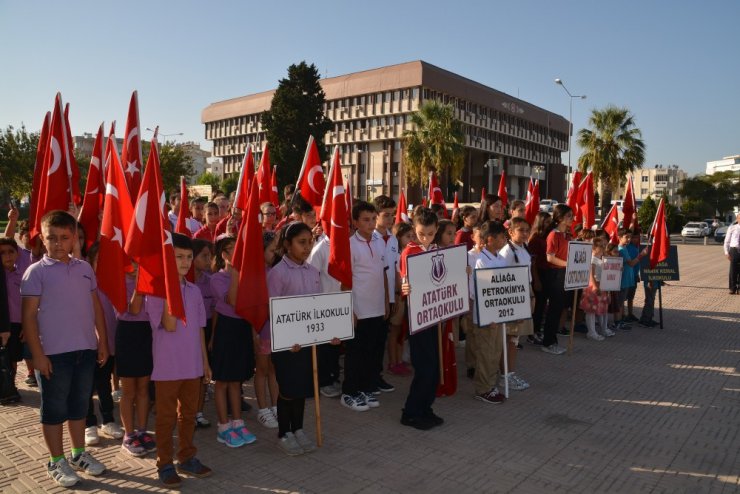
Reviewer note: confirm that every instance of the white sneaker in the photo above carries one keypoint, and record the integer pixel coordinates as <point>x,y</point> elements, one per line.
<point>371,400</point>
<point>355,402</point>
<point>330,391</point>
<point>267,419</point>
<point>594,336</point>
<point>116,395</point>
<point>289,444</point>
<point>554,349</point>
<point>91,436</point>
<point>111,429</point>
<point>61,473</point>
<point>609,333</point>
<point>306,444</point>
<point>87,463</point>
<point>516,383</point>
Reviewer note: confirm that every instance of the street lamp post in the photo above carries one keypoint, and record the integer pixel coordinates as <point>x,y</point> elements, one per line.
<point>165,135</point>
<point>570,126</point>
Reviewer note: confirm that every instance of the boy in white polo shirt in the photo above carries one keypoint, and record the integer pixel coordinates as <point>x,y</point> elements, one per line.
<point>370,303</point>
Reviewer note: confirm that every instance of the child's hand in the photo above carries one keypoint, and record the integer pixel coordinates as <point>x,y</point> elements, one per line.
<point>43,365</point>
<point>468,270</point>
<point>405,288</point>
<point>102,355</point>
<point>210,344</point>
<point>4,337</point>
<point>316,231</point>
<point>295,348</point>
<point>206,373</point>
<point>335,341</point>
<point>13,214</point>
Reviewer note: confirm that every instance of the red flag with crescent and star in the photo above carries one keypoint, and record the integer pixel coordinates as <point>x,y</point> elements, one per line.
<point>92,205</point>
<point>131,152</point>
<point>311,180</point>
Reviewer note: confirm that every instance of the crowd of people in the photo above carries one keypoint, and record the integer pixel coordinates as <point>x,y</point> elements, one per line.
<point>76,345</point>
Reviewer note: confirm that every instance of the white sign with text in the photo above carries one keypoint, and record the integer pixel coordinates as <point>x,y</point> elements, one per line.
<point>502,294</point>
<point>579,265</point>
<point>611,274</point>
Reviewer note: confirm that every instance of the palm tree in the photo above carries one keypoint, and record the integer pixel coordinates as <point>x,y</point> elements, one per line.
<point>612,148</point>
<point>437,143</point>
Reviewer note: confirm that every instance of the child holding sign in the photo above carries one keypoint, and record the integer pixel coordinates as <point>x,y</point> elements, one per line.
<point>291,276</point>
<point>417,411</point>
<point>557,261</point>
<point>594,302</point>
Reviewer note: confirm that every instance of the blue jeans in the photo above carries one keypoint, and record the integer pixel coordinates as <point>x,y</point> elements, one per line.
<point>66,394</point>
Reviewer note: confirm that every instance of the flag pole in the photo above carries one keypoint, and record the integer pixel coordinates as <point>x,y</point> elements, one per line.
<point>572,322</point>
<point>441,360</point>
<point>506,361</point>
<point>316,403</point>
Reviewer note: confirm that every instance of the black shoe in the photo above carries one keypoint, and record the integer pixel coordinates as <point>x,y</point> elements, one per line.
<point>31,382</point>
<point>435,419</point>
<point>733,292</point>
<point>519,346</point>
<point>420,423</point>
<point>384,386</point>
<point>535,339</point>
<point>471,372</point>
<point>246,406</point>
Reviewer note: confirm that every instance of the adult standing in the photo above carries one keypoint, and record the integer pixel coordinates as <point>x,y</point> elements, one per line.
<point>732,252</point>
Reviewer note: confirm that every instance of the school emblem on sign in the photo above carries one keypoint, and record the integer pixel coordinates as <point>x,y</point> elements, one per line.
<point>439,269</point>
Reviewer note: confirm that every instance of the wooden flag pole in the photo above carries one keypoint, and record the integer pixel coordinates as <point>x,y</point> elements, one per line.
<point>506,361</point>
<point>317,405</point>
<point>573,321</point>
<point>441,359</point>
<point>660,302</point>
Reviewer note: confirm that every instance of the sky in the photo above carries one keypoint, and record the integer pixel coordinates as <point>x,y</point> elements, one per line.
<point>673,64</point>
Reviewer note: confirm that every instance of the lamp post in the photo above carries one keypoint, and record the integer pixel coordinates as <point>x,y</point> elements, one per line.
<point>570,126</point>
<point>165,135</point>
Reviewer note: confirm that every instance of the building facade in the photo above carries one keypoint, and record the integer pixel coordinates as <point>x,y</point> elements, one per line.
<point>372,109</point>
<point>726,164</point>
<point>658,180</point>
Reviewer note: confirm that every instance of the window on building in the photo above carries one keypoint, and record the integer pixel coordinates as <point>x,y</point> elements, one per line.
<point>643,192</point>
<point>415,93</point>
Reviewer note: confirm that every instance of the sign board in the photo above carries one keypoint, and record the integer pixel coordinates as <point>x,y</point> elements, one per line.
<point>611,274</point>
<point>664,271</point>
<point>310,319</point>
<point>439,286</point>
<point>200,190</point>
<point>502,294</point>
<point>579,265</point>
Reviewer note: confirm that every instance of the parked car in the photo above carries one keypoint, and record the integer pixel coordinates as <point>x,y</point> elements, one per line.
<point>713,224</point>
<point>546,205</point>
<point>720,233</point>
<point>696,229</point>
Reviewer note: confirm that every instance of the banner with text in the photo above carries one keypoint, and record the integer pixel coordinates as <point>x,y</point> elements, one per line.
<point>310,319</point>
<point>664,271</point>
<point>502,294</point>
<point>611,274</point>
<point>439,286</point>
<point>579,265</point>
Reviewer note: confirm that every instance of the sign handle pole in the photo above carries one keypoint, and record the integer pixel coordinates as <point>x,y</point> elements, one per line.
<point>660,303</point>
<point>441,359</point>
<point>317,406</point>
<point>506,361</point>
<point>572,321</point>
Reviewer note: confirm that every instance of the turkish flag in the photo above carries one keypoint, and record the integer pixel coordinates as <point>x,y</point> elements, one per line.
<point>611,224</point>
<point>311,180</point>
<point>531,207</point>
<point>274,196</point>
<point>251,295</point>
<point>246,175</point>
<point>503,191</point>
<point>118,210</point>
<point>111,146</point>
<point>94,192</point>
<point>149,240</point>
<point>37,173</point>
<point>661,241</point>
<point>402,215</point>
<point>182,215</point>
<point>340,265</point>
<point>131,152</point>
<point>73,161</point>
<point>435,192</point>
<point>588,206</point>
<point>483,194</point>
<point>56,174</point>
<point>348,202</point>
<point>455,205</point>
<point>449,362</point>
<point>628,205</point>
<point>264,177</point>
<point>572,199</point>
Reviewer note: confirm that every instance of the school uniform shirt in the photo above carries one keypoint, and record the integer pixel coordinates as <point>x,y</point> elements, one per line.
<point>66,317</point>
<point>25,259</point>
<point>190,223</point>
<point>516,255</point>
<point>287,279</point>
<point>392,258</point>
<point>319,258</point>
<point>557,244</point>
<point>204,284</point>
<point>634,251</point>
<point>111,324</point>
<point>487,259</point>
<point>127,316</point>
<point>205,233</point>
<point>465,236</point>
<point>538,250</point>
<point>219,289</point>
<point>177,354</point>
<point>368,275</point>
<point>13,285</point>
<point>473,256</point>
<point>628,274</point>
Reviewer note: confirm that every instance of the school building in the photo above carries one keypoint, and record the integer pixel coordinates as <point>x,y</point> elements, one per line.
<point>371,110</point>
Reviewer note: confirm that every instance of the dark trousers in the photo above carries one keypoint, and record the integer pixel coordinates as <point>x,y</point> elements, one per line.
<point>102,386</point>
<point>557,297</point>
<point>540,300</point>
<point>327,357</point>
<point>648,307</point>
<point>380,349</point>
<point>734,268</point>
<point>425,360</point>
<point>360,362</point>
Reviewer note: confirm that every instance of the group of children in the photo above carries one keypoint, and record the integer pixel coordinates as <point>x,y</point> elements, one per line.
<point>146,345</point>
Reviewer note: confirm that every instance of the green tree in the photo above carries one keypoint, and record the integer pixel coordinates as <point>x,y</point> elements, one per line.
<point>612,148</point>
<point>296,111</point>
<point>17,159</point>
<point>710,195</point>
<point>208,178</point>
<point>436,142</point>
<point>646,214</point>
<point>228,185</point>
<point>174,163</point>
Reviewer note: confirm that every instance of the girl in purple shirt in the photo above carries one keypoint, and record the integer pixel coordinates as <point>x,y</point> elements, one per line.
<point>202,259</point>
<point>264,377</point>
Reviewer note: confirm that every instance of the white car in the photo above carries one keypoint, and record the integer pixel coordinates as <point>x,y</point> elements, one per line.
<point>546,205</point>
<point>696,229</point>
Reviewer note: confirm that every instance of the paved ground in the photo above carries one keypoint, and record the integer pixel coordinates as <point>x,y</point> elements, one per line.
<point>647,411</point>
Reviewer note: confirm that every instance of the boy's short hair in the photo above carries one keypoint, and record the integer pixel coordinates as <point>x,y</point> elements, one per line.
<point>515,204</point>
<point>59,219</point>
<point>300,205</point>
<point>9,241</point>
<point>623,231</point>
<point>360,206</point>
<point>468,211</point>
<point>491,229</point>
<point>175,194</point>
<point>515,222</point>
<point>598,242</point>
<point>383,202</point>
<point>180,241</point>
<point>426,217</point>
<point>212,205</point>
<point>198,200</point>
<point>199,244</point>
<point>266,204</point>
